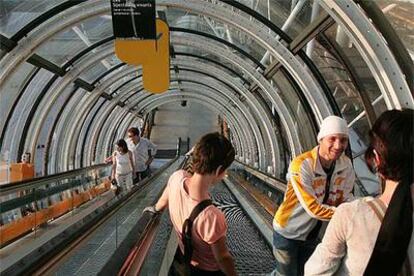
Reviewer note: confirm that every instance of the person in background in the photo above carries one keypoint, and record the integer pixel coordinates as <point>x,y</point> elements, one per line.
<point>212,155</point>
<point>374,236</point>
<point>122,165</point>
<point>143,151</point>
<point>318,181</point>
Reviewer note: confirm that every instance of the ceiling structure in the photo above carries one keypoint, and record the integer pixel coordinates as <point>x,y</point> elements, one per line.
<point>272,69</point>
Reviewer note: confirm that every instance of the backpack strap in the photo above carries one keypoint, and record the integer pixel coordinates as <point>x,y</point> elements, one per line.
<point>187,230</point>
<point>378,207</point>
<point>199,208</point>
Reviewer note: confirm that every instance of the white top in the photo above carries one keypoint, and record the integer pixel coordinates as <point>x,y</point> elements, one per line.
<point>140,152</point>
<point>349,241</point>
<point>123,165</point>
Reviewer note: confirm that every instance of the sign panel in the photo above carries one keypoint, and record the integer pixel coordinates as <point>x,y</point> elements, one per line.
<point>134,19</point>
<point>153,55</point>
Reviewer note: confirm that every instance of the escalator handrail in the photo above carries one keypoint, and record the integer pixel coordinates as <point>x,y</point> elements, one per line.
<point>15,187</point>
<point>35,260</point>
<point>149,222</point>
<point>276,183</point>
<point>261,172</point>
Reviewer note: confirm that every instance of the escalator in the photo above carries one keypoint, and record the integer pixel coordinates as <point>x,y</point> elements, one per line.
<point>82,230</point>
<point>123,241</point>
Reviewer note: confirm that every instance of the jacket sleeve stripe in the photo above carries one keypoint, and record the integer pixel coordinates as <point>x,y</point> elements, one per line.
<point>288,206</point>
<point>302,184</point>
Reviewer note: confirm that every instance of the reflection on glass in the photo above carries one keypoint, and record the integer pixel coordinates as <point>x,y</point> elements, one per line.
<point>213,27</point>
<point>347,50</point>
<point>14,15</point>
<point>64,45</point>
<point>366,184</point>
<point>61,47</point>
<point>303,124</point>
<point>27,100</point>
<point>400,14</point>
<point>340,83</point>
<point>290,16</point>
<point>30,206</point>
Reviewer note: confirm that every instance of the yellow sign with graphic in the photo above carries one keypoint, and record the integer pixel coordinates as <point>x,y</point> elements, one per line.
<point>153,55</point>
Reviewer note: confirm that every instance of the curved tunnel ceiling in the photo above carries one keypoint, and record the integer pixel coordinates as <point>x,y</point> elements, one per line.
<point>232,59</point>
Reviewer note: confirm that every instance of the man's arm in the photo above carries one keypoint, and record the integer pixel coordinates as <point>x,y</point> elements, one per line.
<point>152,150</point>
<point>223,256</point>
<point>150,158</point>
<point>131,161</point>
<point>301,178</point>
<point>113,165</point>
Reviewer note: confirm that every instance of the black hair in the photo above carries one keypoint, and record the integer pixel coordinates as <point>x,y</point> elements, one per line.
<point>392,139</point>
<point>123,145</point>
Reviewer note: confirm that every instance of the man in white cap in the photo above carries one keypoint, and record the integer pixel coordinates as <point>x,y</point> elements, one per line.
<point>318,181</point>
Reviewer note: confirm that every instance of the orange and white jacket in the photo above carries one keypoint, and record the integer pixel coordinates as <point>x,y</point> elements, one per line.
<point>302,204</point>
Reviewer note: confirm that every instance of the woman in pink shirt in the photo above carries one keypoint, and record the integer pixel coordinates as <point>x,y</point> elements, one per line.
<point>212,155</point>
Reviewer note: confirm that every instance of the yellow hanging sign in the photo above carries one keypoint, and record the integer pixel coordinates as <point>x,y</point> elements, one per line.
<point>153,55</point>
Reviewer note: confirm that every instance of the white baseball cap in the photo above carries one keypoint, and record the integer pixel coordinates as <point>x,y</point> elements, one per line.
<point>333,125</point>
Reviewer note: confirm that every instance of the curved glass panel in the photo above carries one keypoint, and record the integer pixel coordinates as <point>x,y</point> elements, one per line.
<point>97,28</point>
<point>302,122</point>
<point>199,52</point>
<point>111,114</point>
<point>45,132</point>
<point>61,47</point>
<point>345,48</point>
<point>100,66</point>
<point>93,72</point>
<point>22,110</point>
<point>15,14</point>
<point>120,86</point>
<point>56,156</point>
<point>213,27</point>
<point>8,95</point>
<point>400,14</point>
<point>85,131</point>
<point>339,82</point>
<point>64,45</point>
<point>290,16</point>
<point>366,181</point>
<point>114,132</point>
<point>203,61</point>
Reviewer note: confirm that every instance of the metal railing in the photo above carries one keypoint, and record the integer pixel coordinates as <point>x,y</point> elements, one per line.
<point>45,180</point>
<point>144,235</point>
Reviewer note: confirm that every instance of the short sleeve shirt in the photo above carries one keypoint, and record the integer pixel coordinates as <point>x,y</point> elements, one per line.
<point>140,152</point>
<point>209,226</point>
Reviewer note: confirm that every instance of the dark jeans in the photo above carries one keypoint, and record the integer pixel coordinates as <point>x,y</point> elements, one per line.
<point>141,175</point>
<point>291,255</point>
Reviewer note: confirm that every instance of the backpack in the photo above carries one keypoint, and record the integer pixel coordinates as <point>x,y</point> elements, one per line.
<point>187,230</point>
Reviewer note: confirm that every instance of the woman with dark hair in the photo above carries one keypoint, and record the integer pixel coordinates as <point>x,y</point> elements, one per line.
<point>185,192</point>
<point>374,236</point>
<point>122,165</point>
